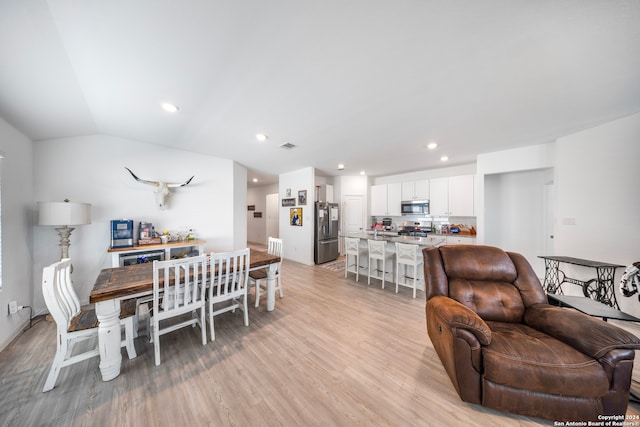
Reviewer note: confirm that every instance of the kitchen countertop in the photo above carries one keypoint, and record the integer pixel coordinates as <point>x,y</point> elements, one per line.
<point>429,241</point>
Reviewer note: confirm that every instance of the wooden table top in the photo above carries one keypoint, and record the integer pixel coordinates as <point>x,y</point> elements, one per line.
<point>579,261</point>
<point>136,279</point>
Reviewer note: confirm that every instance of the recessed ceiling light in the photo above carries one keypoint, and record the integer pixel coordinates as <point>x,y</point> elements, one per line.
<point>169,107</point>
<point>444,158</point>
<point>362,173</point>
<point>255,179</point>
<point>261,137</point>
<point>432,145</point>
<point>340,166</point>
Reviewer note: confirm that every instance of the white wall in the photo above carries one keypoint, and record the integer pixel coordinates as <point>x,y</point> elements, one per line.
<point>597,185</point>
<point>597,207</point>
<point>91,169</point>
<point>535,157</point>
<point>256,227</point>
<point>17,220</point>
<point>515,213</point>
<point>239,202</point>
<point>597,182</point>
<point>298,241</point>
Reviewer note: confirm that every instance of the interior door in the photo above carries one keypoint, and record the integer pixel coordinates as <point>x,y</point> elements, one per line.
<point>272,227</point>
<point>352,217</point>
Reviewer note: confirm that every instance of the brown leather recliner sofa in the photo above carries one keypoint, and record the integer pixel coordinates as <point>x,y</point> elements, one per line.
<point>505,348</point>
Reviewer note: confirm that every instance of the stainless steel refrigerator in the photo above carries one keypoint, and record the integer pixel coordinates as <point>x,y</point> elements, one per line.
<point>326,232</point>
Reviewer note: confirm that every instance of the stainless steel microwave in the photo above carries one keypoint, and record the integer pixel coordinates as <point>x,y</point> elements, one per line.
<point>415,207</point>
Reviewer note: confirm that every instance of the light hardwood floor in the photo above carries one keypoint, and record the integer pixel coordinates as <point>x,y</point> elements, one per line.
<point>333,353</point>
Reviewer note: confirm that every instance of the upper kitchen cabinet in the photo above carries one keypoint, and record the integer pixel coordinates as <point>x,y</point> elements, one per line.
<point>385,199</point>
<point>415,190</point>
<point>452,196</point>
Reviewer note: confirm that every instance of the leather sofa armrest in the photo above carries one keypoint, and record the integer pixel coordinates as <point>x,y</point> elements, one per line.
<point>457,315</point>
<point>590,335</point>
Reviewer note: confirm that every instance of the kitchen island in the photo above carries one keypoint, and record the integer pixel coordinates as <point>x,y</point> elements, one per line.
<point>392,239</point>
<point>425,242</point>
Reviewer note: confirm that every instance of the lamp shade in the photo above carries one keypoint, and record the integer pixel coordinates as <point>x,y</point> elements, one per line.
<point>63,213</point>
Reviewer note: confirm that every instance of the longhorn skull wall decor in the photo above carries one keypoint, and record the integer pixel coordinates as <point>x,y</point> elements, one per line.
<point>161,188</point>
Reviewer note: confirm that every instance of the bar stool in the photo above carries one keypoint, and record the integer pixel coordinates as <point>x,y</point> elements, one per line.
<point>378,252</point>
<point>352,248</point>
<point>408,255</point>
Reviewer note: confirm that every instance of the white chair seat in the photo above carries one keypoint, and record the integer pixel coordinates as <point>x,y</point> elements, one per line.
<point>380,258</point>
<point>408,256</point>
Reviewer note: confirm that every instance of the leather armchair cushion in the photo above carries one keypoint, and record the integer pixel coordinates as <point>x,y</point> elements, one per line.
<point>491,300</point>
<point>524,358</point>
<point>465,262</point>
<point>588,334</point>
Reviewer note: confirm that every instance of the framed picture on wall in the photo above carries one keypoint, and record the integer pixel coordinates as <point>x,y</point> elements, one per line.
<point>302,197</point>
<point>288,202</point>
<point>257,214</point>
<point>295,216</point>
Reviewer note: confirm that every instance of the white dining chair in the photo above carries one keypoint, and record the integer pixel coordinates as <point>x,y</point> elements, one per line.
<point>408,256</point>
<point>353,250</point>
<point>259,277</point>
<point>73,323</point>
<point>379,254</point>
<point>229,284</point>
<point>179,287</point>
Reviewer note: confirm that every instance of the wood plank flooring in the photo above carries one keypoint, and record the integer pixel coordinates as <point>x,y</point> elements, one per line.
<point>333,353</point>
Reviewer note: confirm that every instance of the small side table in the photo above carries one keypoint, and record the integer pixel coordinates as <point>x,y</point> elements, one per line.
<point>601,288</point>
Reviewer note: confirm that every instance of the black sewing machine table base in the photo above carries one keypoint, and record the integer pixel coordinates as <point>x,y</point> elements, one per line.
<point>600,288</point>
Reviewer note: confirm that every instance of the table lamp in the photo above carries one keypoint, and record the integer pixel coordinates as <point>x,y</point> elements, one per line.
<point>62,215</point>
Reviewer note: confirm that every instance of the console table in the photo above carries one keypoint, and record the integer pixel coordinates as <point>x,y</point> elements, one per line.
<point>600,288</point>
<point>164,247</point>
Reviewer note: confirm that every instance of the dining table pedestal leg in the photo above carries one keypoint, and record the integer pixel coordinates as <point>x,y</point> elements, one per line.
<point>109,339</point>
<point>271,286</point>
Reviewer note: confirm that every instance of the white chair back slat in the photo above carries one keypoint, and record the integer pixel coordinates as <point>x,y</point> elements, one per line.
<point>378,251</point>
<point>179,287</point>
<point>408,255</point>
<point>275,248</point>
<point>57,302</point>
<point>230,277</point>
<point>229,281</point>
<point>182,287</point>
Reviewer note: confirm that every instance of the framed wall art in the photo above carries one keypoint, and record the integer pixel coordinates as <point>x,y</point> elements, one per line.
<point>288,202</point>
<point>295,216</point>
<point>302,197</point>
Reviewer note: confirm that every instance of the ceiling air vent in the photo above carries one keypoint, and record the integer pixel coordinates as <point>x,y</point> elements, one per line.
<point>287,146</point>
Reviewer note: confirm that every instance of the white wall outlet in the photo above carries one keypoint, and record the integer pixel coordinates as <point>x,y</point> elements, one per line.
<point>13,307</point>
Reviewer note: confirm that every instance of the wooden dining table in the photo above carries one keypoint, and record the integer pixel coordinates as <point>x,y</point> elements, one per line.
<point>121,283</point>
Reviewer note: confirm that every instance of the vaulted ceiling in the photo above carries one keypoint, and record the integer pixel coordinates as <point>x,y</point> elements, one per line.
<point>365,83</point>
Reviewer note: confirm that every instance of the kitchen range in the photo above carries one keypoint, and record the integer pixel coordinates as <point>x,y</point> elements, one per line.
<point>415,228</point>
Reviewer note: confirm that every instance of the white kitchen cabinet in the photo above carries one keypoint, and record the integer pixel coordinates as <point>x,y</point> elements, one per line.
<point>453,239</point>
<point>385,199</point>
<point>461,193</point>
<point>415,190</point>
<point>452,196</point>
<point>439,196</point>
